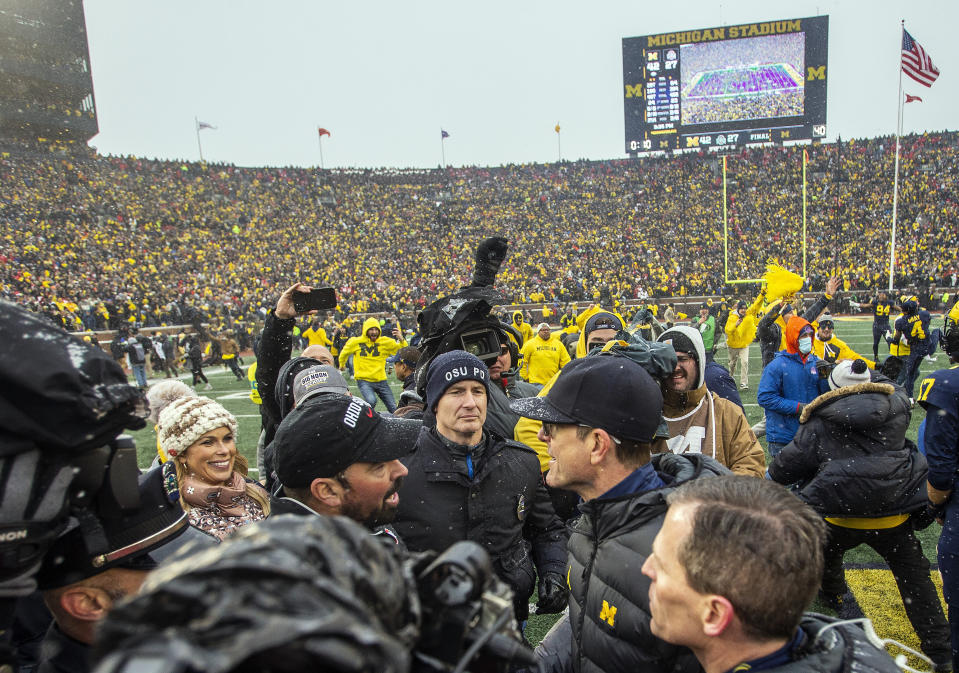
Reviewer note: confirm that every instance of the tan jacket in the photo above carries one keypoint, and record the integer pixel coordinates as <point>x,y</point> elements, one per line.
<point>714,427</point>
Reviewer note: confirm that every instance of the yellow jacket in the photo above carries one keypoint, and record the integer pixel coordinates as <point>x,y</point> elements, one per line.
<point>369,361</point>
<point>743,334</point>
<point>953,314</point>
<point>522,327</point>
<point>317,337</point>
<point>254,392</point>
<point>836,350</point>
<point>542,358</point>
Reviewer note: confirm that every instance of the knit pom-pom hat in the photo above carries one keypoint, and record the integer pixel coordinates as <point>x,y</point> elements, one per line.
<point>185,420</point>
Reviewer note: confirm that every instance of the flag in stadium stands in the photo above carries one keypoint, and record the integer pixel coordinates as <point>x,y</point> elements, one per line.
<point>323,132</point>
<point>203,125</point>
<point>443,134</point>
<point>910,99</point>
<point>557,127</point>
<point>916,62</point>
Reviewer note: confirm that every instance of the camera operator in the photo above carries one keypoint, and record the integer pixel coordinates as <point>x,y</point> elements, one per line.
<point>62,405</point>
<point>297,594</point>
<point>80,588</point>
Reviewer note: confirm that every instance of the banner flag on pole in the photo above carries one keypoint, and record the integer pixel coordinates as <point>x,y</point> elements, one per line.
<point>557,127</point>
<point>916,62</point>
<point>323,132</point>
<point>443,134</point>
<point>911,99</point>
<point>203,125</point>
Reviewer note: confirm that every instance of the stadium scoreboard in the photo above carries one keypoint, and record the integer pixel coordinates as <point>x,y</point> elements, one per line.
<point>727,86</point>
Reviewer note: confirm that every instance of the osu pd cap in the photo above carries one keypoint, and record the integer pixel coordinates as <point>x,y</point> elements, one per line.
<point>610,392</point>
<point>324,436</point>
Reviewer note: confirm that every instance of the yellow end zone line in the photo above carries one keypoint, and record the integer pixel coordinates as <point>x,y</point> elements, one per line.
<point>878,596</point>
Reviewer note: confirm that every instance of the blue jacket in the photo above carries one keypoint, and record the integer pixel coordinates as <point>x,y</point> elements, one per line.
<point>785,383</point>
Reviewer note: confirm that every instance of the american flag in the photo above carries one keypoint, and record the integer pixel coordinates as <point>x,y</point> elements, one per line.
<point>916,62</point>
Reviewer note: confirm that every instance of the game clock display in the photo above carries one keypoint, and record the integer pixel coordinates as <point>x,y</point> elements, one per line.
<point>726,86</point>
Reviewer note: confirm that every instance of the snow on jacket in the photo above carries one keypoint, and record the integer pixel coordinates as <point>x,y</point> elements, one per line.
<point>609,610</point>
<point>503,506</point>
<point>850,455</point>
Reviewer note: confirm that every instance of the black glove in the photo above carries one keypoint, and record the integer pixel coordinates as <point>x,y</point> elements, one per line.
<point>824,368</point>
<point>552,594</point>
<point>489,256</point>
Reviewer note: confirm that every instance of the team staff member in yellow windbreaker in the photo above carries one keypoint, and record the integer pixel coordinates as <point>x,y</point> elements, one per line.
<point>952,317</point>
<point>369,352</point>
<point>740,331</point>
<point>543,356</point>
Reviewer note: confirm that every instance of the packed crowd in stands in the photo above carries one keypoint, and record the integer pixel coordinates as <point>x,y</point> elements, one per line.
<point>102,241</point>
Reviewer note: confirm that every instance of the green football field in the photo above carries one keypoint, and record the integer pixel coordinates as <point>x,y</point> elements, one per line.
<point>873,591</point>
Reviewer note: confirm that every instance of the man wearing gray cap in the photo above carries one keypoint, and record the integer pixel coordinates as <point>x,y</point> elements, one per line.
<point>599,420</point>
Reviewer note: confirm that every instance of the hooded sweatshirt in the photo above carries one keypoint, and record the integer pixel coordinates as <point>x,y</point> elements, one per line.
<point>787,383</point>
<point>369,355</point>
<point>522,326</point>
<point>700,421</point>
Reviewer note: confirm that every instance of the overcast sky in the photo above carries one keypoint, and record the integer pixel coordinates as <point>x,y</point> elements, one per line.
<point>384,77</point>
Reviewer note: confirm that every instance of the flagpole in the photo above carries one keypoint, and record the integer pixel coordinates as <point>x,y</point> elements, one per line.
<point>196,126</point>
<point>321,150</point>
<point>559,145</point>
<point>804,162</point>
<point>443,147</point>
<point>895,188</point>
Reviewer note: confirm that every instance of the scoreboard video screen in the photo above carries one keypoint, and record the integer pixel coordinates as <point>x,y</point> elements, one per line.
<point>726,86</point>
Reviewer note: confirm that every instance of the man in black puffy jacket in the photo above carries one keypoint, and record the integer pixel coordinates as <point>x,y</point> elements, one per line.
<point>467,483</point>
<point>601,450</point>
<point>852,463</point>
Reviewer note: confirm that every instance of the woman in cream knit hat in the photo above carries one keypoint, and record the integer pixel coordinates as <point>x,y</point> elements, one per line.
<point>199,437</point>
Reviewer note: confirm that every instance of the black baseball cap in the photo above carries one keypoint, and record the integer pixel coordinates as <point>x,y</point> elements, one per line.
<point>607,391</point>
<point>326,434</point>
<point>602,320</point>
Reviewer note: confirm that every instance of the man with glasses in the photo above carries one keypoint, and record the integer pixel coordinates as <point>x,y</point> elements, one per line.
<point>600,328</point>
<point>599,420</point>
